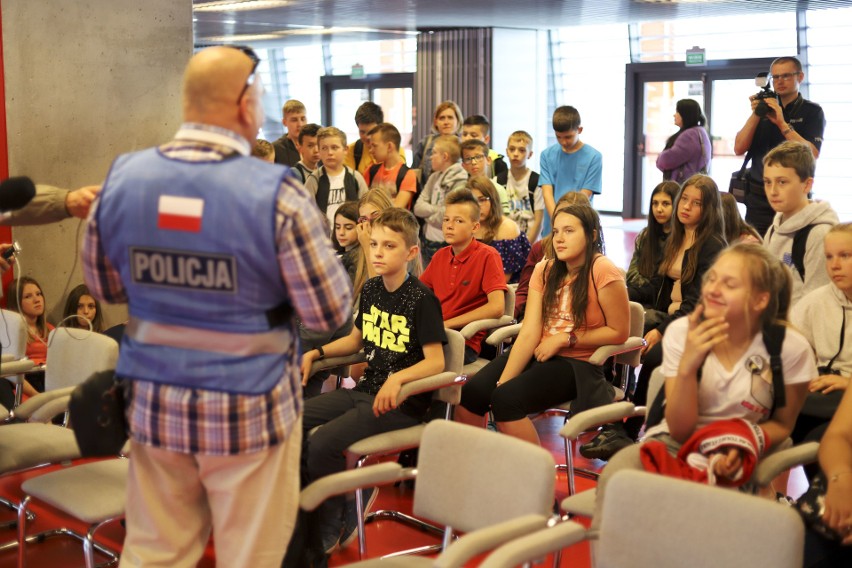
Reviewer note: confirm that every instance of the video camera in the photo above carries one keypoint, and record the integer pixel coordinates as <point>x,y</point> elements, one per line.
<point>762,81</point>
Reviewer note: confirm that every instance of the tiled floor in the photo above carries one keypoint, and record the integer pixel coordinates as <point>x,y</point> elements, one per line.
<point>382,537</point>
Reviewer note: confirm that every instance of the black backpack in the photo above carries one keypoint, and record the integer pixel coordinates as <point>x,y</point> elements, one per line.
<point>773,340</point>
<point>800,242</point>
<point>400,176</point>
<point>503,179</point>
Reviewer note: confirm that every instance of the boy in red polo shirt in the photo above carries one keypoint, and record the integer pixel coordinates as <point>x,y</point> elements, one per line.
<point>466,276</point>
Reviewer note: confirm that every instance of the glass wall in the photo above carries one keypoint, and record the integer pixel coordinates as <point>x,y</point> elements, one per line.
<point>294,73</point>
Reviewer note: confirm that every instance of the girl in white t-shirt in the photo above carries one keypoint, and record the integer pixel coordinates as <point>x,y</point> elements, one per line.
<point>743,291</point>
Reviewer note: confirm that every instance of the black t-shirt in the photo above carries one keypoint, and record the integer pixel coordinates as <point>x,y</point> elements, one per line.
<point>395,326</point>
<point>805,117</point>
<point>286,152</point>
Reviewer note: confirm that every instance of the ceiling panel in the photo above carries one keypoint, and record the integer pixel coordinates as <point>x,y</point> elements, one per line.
<point>302,21</point>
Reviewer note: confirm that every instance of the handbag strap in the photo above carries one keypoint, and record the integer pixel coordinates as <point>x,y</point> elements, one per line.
<point>745,162</point>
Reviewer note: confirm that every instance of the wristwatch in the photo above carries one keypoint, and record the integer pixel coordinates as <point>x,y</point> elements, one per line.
<point>321,352</point>
<point>572,339</point>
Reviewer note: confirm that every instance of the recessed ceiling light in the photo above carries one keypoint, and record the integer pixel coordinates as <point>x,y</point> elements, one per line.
<point>238,5</point>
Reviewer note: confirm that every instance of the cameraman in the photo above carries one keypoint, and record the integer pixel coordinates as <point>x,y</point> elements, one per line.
<point>793,119</point>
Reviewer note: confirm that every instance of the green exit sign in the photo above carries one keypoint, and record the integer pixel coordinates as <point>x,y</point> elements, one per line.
<point>696,57</point>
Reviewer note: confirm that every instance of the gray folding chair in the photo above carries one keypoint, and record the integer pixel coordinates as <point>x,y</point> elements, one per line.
<point>471,329</point>
<point>653,521</point>
<point>513,497</point>
<point>13,339</point>
<point>94,493</point>
<point>446,387</point>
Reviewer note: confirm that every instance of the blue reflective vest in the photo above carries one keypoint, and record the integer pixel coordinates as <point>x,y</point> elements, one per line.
<point>194,243</point>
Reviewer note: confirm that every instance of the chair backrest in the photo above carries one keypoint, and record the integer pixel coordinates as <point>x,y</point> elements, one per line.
<point>509,308</point>
<point>469,478</point>
<point>637,326</point>
<point>691,524</point>
<point>73,355</point>
<point>13,334</point>
<point>453,362</point>
<point>657,383</point>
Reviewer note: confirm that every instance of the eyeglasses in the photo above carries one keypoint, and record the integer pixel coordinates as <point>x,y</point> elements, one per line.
<point>249,52</point>
<point>784,76</point>
<point>474,159</point>
<point>483,199</point>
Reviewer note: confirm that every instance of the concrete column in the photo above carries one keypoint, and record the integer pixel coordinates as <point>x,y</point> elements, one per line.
<point>86,80</point>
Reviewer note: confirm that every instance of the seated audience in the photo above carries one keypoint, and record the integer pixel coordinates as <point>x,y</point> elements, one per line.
<point>650,242</point>
<point>26,297</point>
<point>577,302</point>
<point>498,230</point>
<point>83,311</point>
<point>823,316</point>
<point>736,229</point>
<point>466,276</point>
<point>400,329</point>
<point>538,251</point>
<point>720,385</point>
<point>345,240</point>
<point>788,176</point>
<point>835,461</point>
<point>697,236</point>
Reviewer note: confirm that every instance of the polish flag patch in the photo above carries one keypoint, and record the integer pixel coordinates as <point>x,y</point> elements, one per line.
<point>180,213</point>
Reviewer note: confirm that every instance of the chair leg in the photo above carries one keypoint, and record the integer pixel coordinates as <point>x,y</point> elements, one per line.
<point>22,532</point>
<point>359,510</point>
<point>569,465</point>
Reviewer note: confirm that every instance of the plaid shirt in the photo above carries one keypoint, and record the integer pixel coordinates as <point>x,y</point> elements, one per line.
<point>189,420</point>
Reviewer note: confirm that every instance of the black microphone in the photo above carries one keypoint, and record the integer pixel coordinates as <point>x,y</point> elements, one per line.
<point>16,192</point>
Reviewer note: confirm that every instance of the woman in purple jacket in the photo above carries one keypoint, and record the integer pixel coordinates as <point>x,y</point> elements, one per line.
<point>688,151</point>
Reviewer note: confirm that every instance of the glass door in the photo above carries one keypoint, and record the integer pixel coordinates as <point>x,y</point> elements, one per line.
<point>653,89</point>
<point>392,91</point>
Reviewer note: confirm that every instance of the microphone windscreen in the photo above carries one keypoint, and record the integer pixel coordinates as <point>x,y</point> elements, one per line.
<point>16,192</point>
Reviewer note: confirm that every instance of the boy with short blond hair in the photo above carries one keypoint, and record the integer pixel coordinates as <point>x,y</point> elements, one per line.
<point>797,233</point>
<point>447,175</point>
<point>476,161</point>
<point>400,329</point>
<point>568,165</point>
<point>521,184</point>
<point>390,172</point>
<point>477,127</point>
<point>293,120</point>
<point>466,276</point>
<point>333,183</point>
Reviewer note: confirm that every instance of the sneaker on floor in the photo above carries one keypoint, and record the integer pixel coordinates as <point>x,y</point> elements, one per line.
<point>350,515</point>
<point>605,444</point>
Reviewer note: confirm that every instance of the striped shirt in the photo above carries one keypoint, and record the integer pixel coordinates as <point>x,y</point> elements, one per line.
<point>189,420</point>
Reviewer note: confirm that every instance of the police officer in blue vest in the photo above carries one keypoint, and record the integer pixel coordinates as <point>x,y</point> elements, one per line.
<point>213,251</point>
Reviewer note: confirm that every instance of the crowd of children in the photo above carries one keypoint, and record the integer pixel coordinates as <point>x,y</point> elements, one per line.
<point>448,235</point>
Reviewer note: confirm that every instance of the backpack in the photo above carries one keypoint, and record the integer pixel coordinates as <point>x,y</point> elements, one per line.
<point>773,340</point>
<point>350,185</point>
<point>400,176</point>
<point>359,153</point>
<point>800,241</point>
<point>532,184</point>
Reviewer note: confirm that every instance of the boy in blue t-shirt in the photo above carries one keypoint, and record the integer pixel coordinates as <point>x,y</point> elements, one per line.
<point>568,165</point>
<point>401,330</point>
